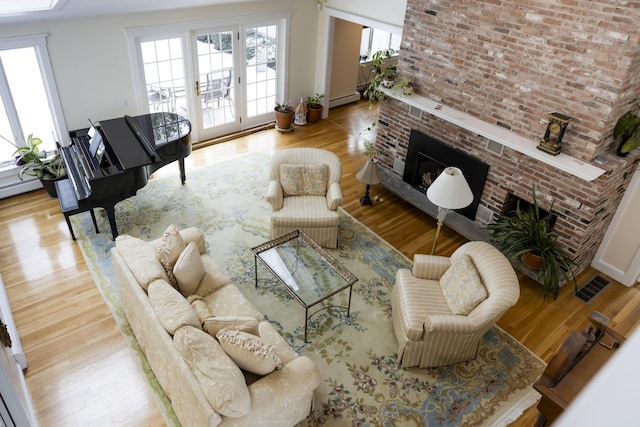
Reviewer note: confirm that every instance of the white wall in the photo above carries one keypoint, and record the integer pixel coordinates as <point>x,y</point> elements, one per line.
<point>390,12</point>
<point>92,67</point>
<point>93,72</point>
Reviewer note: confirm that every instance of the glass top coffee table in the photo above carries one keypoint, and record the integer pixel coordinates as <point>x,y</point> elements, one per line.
<point>305,270</point>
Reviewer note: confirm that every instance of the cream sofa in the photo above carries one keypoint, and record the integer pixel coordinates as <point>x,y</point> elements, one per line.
<point>283,397</point>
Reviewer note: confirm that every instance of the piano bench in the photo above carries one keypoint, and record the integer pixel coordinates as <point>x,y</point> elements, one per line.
<point>69,204</point>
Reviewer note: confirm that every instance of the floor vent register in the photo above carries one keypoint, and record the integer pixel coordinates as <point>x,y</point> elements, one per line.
<point>592,288</point>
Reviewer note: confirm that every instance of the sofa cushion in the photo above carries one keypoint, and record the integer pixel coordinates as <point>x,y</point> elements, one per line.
<point>188,269</point>
<point>461,286</point>
<point>215,324</point>
<point>219,377</point>
<point>249,352</point>
<point>171,308</point>
<point>229,301</point>
<point>141,260</point>
<point>169,249</point>
<point>199,306</point>
<point>304,180</point>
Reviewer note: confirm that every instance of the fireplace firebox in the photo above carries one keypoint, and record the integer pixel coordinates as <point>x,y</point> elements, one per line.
<point>427,158</point>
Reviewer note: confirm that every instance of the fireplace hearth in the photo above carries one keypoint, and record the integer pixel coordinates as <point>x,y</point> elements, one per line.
<point>427,158</point>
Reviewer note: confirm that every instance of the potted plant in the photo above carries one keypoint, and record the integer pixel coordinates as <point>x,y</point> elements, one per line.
<point>36,162</point>
<point>525,231</point>
<point>627,133</point>
<point>380,77</point>
<point>284,116</point>
<point>403,85</point>
<point>314,107</point>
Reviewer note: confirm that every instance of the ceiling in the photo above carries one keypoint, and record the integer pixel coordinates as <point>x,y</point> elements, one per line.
<point>90,8</point>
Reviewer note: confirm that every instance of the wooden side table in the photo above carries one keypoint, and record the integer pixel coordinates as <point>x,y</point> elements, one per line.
<point>572,367</point>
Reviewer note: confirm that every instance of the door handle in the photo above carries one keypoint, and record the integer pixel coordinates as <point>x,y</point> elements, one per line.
<point>197,88</point>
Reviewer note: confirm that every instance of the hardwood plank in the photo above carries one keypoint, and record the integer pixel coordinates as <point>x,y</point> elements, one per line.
<point>80,370</point>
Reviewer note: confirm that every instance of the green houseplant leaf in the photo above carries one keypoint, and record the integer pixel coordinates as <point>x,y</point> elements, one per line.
<point>526,230</point>
<point>37,163</point>
<point>627,132</point>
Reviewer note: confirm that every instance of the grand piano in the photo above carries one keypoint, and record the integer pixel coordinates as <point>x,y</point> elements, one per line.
<point>110,162</point>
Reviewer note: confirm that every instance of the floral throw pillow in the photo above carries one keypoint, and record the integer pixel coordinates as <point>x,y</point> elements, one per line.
<point>169,249</point>
<point>462,287</point>
<point>249,352</point>
<point>304,180</point>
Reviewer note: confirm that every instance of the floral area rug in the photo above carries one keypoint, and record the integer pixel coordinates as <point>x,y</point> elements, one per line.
<point>362,384</point>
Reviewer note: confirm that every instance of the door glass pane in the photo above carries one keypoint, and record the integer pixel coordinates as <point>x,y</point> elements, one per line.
<point>215,76</point>
<point>163,64</point>
<point>261,66</point>
<point>29,100</point>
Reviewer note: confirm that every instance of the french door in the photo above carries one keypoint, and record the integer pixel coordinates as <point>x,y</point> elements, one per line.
<point>215,66</point>
<point>223,78</point>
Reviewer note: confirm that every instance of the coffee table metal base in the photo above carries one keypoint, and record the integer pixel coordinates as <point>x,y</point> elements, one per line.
<point>307,258</point>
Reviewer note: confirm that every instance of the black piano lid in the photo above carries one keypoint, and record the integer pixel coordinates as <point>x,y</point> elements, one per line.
<point>125,143</point>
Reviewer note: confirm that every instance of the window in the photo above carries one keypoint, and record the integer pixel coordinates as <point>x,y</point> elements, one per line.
<point>163,64</point>
<point>28,104</point>
<point>261,69</point>
<point>223,75</point>
<point>374,40</point>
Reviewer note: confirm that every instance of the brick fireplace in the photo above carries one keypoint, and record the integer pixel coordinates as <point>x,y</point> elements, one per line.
<point>510,64</point>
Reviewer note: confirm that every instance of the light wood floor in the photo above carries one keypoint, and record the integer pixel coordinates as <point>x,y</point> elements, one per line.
<point>80,371</point>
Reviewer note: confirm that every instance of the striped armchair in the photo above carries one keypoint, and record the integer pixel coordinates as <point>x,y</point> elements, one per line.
<point>313,205</point>
<point>428,334</point>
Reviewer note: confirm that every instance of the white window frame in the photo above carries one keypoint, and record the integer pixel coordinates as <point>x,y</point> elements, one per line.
<point>39,43</point>
<point>184,30</point>
<point>10,184</point>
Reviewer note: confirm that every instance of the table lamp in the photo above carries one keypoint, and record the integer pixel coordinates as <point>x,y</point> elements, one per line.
<point>368,174</point>
<point>449,191</point>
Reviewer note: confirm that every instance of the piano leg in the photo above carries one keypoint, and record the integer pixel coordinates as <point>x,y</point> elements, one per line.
<point>95,223</point>
<point>111,214</point>
<point>183,174</point>
<point>69,213</point>
<point>73,236</point>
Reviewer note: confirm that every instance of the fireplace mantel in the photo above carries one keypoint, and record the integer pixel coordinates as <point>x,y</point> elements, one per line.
<point>500,135</point>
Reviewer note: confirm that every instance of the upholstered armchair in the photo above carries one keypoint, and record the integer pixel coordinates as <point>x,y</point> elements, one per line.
<point>304,192</point>
<point>443,307</point>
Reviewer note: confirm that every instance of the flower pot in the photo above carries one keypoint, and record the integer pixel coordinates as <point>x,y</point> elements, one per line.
<point>284,119</point>
<point>314,114</point>
<point>532,261</point>
<point>50,186</point>
<point>619,151</point>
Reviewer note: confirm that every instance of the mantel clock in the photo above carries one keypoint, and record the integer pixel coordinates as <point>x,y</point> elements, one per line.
<point>552,141</point>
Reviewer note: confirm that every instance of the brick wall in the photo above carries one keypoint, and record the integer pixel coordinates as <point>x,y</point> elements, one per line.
<point>512,63</point>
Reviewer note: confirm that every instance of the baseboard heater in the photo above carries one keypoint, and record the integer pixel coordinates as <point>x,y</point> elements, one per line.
<point>347,99</point>
<point>10,188</point>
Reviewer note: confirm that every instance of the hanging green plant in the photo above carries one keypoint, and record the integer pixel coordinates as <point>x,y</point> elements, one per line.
<point>627,133</point>
<point>381,77</point>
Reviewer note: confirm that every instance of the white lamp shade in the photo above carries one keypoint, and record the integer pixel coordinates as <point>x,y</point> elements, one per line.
<point>450,190</point>
<point>369,174</point>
